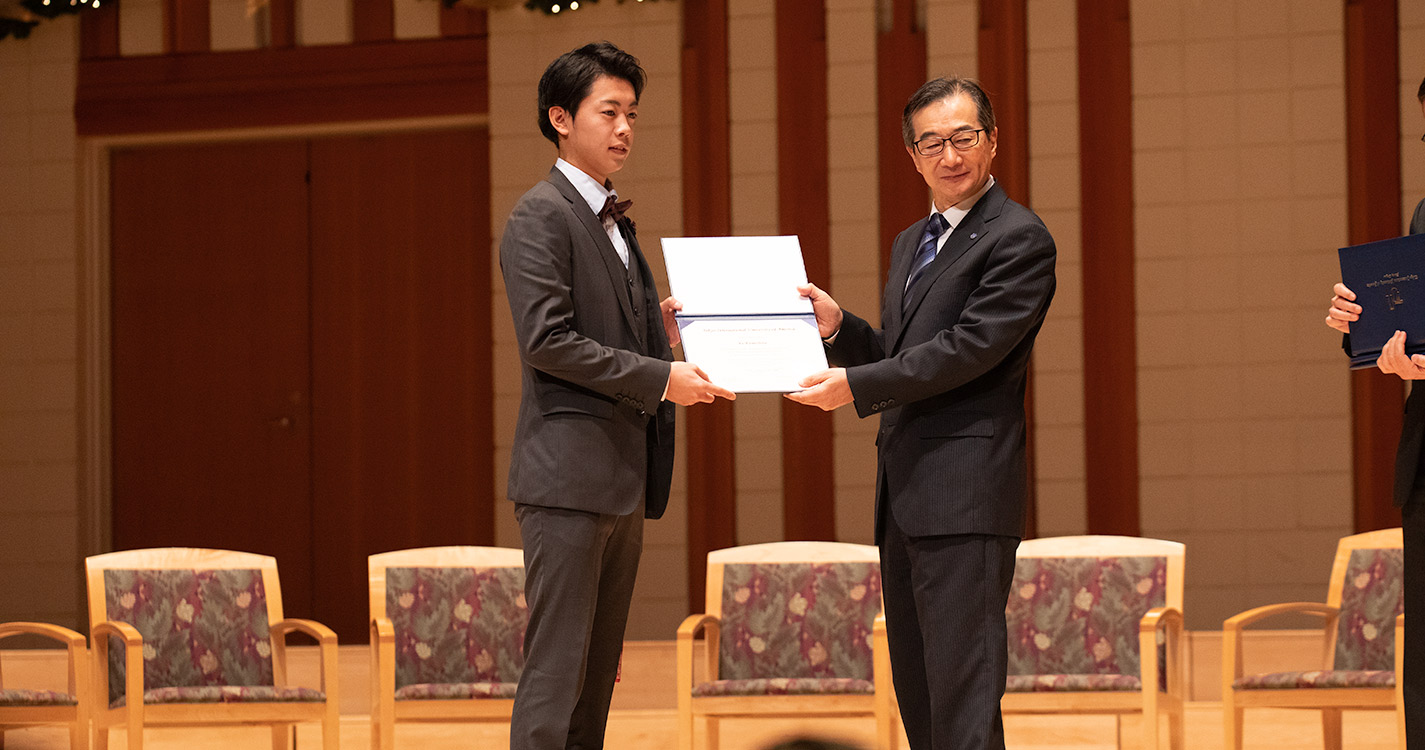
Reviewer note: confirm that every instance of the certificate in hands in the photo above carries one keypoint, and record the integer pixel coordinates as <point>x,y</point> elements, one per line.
<point>743,320</point>
<point>1388,278</point>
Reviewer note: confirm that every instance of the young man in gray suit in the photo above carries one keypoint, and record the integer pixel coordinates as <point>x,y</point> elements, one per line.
<point>967,291</point>
<point>593,447</point>
<point>1409,485</point>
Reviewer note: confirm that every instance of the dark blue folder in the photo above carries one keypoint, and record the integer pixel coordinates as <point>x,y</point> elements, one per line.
<point>1388,278</point>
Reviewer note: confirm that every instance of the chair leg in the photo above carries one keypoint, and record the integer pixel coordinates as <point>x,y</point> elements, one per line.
<point>78,736</point>
<point>135,735</point>
<point>281,737</point>
<point>1331,728</point>
<point>712,728</point>
<point>686,726</point>
<point>331,727</point>
<point>1231,722</point>
<point>100,737</point>
<point>1176,736</point>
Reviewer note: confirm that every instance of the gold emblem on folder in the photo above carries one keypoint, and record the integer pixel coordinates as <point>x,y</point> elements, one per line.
<point>1393,298</point>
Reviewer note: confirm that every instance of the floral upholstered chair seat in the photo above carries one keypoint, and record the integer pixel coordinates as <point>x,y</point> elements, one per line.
<point>459,631</point>
<point>21,707</point>
<point>447,635</point>
<point>789,631</point>
<point>19,697</point>
<point>205,637</point>
<point>1073,621</point>
<point>184,637</point>
<point>796,629</point>
<point>1365,597</point>
<point>1095,626</point>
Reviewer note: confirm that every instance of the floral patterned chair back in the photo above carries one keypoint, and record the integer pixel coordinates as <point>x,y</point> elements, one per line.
<point>794,621</point>
<point>1075,607</point>
<point>1370,594</point>
<point>204,616</point>
<point>459,618</point>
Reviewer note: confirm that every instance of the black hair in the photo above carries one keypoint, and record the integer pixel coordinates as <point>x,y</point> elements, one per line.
<point>1421,93</point>
<point>567,80</point>
<point>944,88</point>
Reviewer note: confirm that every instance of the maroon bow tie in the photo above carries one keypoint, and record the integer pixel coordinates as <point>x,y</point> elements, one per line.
<point>614,210</point>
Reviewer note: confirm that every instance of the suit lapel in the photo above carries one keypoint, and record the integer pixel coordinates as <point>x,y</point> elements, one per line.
<point>897,276</point>
<point>618,274</point>
<point>971,230</point>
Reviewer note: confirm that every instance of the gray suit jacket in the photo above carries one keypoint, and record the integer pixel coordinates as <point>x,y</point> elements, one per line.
<point>592,433</point>
<point>948,377</point>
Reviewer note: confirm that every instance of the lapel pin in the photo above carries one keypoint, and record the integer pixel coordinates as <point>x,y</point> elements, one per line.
<point>973,235</point>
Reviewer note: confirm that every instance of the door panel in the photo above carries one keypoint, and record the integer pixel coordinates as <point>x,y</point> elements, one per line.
<point>211,383</point>
<point>403,453</point>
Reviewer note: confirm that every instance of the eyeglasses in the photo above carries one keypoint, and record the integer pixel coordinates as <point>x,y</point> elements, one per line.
<point>962,140</point>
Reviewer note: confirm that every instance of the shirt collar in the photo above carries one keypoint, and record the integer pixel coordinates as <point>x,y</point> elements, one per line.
<point>593,193</point>
<point>956,213</point>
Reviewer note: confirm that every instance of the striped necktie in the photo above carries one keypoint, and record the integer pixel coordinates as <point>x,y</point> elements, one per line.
<point>925,253</point>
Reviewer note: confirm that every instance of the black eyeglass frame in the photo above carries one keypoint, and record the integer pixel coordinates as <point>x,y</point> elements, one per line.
<point>931,139</point>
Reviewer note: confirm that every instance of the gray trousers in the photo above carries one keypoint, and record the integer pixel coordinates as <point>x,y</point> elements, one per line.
<point>579,574</point>
<point>945,628</point>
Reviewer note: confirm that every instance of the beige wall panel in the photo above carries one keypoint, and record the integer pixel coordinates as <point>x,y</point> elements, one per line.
<point>323,22</point>
<point>230,26</point>
<point>1239,151</point>
<point>417,19</point>
<point>1054,194</point>
<point>140,27</point>
<point>522,44</point>
<point>39,526</point>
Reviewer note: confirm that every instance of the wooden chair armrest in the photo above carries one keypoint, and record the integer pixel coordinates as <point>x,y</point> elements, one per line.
<point>133,665</point>
<point>53,632</point>
<point>711,626</point>
<point>319,632</point>
<point>1243,619</point>
<point>884,697</point>
<point>382,630</point>
<point>326,646</point>
<point>1169,622</point>
<point>383,678</point>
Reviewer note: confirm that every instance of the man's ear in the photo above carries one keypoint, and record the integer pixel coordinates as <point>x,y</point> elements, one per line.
<point>560,119</point>
<point>994,141</point>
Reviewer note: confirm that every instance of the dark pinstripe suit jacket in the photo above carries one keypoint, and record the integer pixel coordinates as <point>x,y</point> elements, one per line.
<point>1412,433</point>
<point>948,376</point>
<point>593,433</point>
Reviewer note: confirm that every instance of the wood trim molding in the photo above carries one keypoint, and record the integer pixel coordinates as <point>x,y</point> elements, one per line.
<point>282,23</point>
<point>1003,48</point>
<point>373,20</point>
<point>707,211</point>
<point>99,32</point>
<point>803,180</point>
<point>1110,334</point>
<point>276,87</point>
<point>186,28</point>
<point>463,20</point>
<point>901,63</point>
<point>1373,177</point>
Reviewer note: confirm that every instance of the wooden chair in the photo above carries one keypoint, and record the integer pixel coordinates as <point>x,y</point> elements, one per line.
<point>1096,626</point>
<point>791,629</point>
<point>20,707</point>
<point>186,637</point>
<point>447,636</point>
<point>1362,648</point>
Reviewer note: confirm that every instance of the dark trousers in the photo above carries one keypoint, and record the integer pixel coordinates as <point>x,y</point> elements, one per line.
<point>945,598</point>
<point>1413,524</point>
<point>579,573</point>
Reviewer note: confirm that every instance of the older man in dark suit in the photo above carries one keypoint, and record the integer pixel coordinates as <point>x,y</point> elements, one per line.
<point>1409,485</point>
<point>967,292</point>
<point>593,447</point>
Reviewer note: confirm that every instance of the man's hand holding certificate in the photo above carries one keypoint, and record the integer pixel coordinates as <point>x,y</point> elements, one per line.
<point>743,321</point>
<point>1387,308</point>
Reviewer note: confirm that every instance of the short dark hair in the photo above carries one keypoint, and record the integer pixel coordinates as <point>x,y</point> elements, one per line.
<point>1421,93</point>
<point>567,80</point>
<point>944,88</point>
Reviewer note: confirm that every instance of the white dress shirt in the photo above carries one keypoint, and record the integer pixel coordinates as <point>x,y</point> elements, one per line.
<point>595,195</point>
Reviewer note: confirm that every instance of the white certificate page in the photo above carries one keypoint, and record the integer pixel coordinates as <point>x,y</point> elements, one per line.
<point>743,320</point>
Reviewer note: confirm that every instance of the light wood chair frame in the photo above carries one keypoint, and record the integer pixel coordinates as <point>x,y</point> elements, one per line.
<point>135,715</point>
<point>1330,701</point>
<point>76,716</point>
<point>385,709</point>
<point>1151,702</point>
<point>710,709</point>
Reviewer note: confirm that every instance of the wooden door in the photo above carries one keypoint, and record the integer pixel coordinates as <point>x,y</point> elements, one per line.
<point>403,453</point>
<point>211,377</point>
